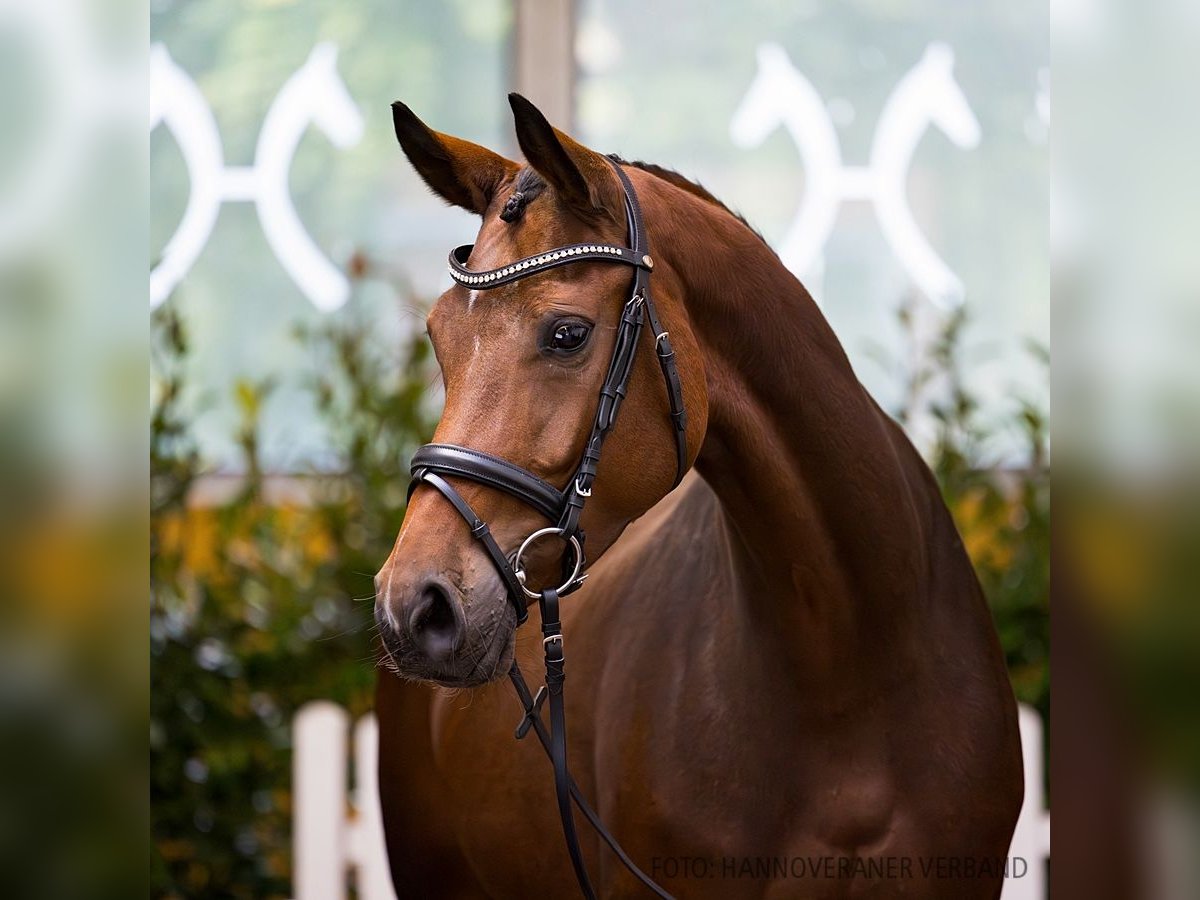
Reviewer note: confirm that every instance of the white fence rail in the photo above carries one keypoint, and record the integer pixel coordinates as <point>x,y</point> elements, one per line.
<point>338,832</point>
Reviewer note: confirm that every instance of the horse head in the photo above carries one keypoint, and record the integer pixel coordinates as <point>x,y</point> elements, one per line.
<point>328,101</point>
<point>522,366</point>
<point>942,96</point>
<point>762,109</point>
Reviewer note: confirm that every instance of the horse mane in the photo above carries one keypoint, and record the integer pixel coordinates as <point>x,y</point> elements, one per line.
<point>529,184</point>
<point>694,188</point>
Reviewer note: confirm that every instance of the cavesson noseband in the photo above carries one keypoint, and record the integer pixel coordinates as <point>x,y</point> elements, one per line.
<point>433,464</point>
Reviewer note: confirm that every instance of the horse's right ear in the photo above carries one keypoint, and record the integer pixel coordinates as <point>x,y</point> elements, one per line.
<point>458,171</point>
<point>581,177</point>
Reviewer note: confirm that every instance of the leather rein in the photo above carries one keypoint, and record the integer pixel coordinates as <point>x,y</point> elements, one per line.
<point>433,464</point>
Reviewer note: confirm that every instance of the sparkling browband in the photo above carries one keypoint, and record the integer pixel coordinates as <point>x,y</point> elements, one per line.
<point>523,268</point>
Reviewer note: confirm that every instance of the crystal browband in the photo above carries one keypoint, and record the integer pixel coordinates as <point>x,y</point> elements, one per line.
<point>523,268</point>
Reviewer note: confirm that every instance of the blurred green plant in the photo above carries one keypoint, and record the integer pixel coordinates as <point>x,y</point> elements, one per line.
<point>1002,510</point>
<point>262,599</point>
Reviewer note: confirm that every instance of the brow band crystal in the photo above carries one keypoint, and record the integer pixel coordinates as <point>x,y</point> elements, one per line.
<point>459,273</point>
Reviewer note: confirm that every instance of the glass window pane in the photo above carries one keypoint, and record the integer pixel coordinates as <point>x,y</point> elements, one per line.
<point>299,95</point>
<point>916,131</point>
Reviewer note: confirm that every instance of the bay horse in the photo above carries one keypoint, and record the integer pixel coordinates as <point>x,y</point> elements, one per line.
<point>784,677</point>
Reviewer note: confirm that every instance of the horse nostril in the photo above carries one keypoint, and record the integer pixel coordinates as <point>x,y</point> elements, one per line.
<point>435,629</point>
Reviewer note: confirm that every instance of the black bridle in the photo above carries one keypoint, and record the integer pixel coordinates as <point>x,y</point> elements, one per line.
<point>432,464</point>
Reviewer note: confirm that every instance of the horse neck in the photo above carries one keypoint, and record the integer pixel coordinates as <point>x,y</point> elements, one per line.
<point>827,503</point>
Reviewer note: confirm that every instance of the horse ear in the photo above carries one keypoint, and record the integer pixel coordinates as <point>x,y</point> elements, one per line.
<point>458,171</point>
<point>581,178</point>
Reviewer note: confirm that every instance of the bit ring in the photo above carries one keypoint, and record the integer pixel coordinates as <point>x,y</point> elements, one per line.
<point>537,535</point>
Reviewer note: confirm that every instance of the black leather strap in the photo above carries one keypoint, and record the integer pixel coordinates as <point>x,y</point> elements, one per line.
<point>666,361</point>
<point>476,465</point>
<point>532,719</point>
<point>662,340</point>
<point>552,644</point>
<point>532,265</point>
<point>481,533</point>
<point>612,393</point>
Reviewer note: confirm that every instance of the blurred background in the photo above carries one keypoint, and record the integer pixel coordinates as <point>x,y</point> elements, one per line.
<point>897,155</point>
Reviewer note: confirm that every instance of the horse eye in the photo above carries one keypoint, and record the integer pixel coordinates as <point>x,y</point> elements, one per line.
<point>569,336</point>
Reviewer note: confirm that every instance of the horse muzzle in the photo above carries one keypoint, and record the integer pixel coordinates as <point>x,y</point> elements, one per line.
<point>431,632</point>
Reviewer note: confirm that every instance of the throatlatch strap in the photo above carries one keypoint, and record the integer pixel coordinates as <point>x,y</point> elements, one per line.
<point>666,361</point>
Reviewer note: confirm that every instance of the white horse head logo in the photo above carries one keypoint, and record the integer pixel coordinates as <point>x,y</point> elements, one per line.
<point>926,95</point>
<point>313,95</point>
<point>942,99</point>
<point>761,112</point>
<point>320,92</point>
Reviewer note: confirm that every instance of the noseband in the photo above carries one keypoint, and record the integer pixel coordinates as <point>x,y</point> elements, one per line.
<point>433,464</point>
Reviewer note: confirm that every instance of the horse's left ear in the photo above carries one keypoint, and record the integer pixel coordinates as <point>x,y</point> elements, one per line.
<point>458,171</point>
<point>581,178</point>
